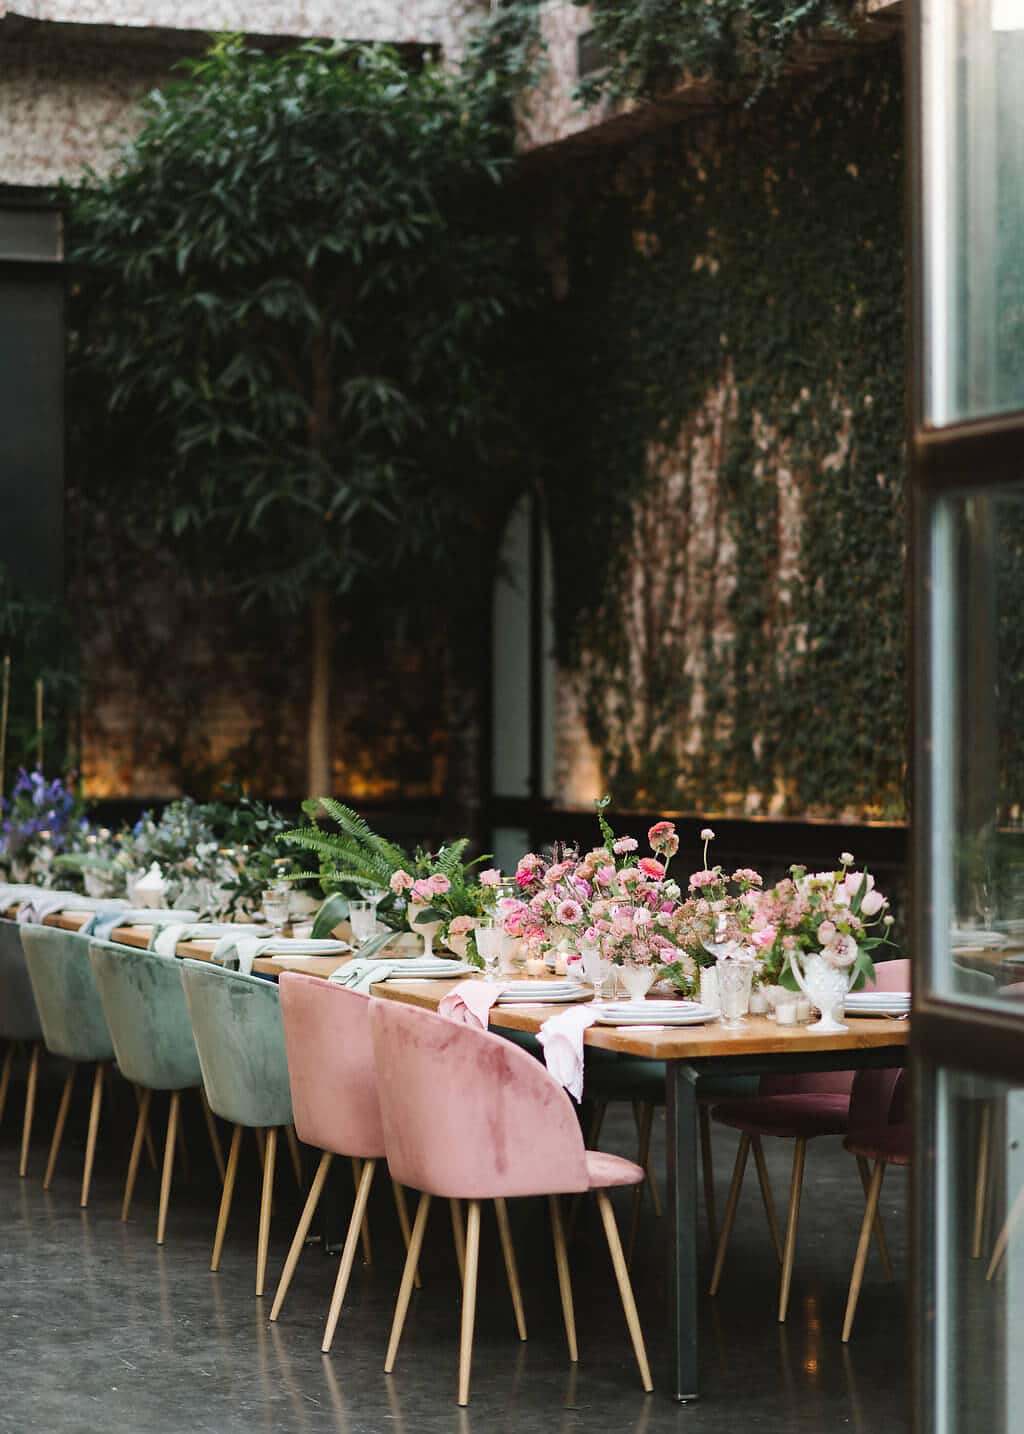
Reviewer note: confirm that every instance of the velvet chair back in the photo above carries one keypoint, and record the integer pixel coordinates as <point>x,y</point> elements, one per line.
<point>147,1015</point>
<point>19,1019</point>
<point>68,1002</point>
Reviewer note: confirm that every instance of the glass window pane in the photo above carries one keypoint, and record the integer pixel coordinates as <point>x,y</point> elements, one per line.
<point>973,157</point>
<point>976,766</point>
<point>974,1281</point>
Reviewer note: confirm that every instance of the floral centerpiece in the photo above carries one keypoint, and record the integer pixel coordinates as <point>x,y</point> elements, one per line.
<point>39,820</point>
<point>714,912</point>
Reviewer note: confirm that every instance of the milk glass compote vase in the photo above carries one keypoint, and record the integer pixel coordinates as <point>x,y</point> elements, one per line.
<point>825,985</point>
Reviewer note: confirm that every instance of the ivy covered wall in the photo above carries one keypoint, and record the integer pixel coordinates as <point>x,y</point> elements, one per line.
<point>726,490</point>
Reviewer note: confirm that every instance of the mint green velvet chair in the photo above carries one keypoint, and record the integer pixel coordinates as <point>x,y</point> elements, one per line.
<point>236,1021</point>
<point>74,1026</point>
<point>152,1033</point>
<point>19,1023</point>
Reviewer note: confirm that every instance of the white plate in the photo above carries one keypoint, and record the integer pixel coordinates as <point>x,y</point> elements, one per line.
<point>550,998</point>
<point>682,1015</point>
<point>432,973</point>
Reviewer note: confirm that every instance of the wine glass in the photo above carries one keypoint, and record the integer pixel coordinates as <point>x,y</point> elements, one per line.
<point>490,940</point>
<point>595,968</point>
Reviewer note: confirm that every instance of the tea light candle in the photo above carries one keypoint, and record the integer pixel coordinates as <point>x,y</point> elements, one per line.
<point>536,966</point>
<point>803,1009</point>
<point>785,1013</point>
<point>758,1002</point>
<point>561,964</point>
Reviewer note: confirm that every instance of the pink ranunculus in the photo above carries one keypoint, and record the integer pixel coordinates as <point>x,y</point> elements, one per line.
<point>651,868</point>
<point>703,878</point>
<point>842,951</point>
<point>630,876</point>
<point>624,845</point>
<point>747,876</point>
<point>764,938</point>
<point>439,883</point>
<point>567,913</point>
<point>490,877</point>
<point>400,881</point>
<point>658,833</point>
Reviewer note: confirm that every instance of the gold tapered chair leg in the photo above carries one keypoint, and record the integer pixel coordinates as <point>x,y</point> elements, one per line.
<point>211,1128</point>
<point>459,1236</point>
<point>58,1129</point>
<point>266,1204</point>
<point>357,1175</point>
<point>879,1229</point>
<point>564,1282</point>
<point>141,1131</point>
<point>348,1254</point>
<point>509,1256</point>
<point>5,1077</point>
<point>981,1178</point>
<point>636,1334</point>
<point>405,1289</point>
<point>708,1170</point>
<point>293,1151</point>
<point>874,1190</point>
<point>403,1224</point>
<point>94,1126</point>
<point>226,1196</point>
<point>183,1155</point>
<point>30,1108</point>
<point>168,1170</point>
<point>767,1199</point>
<point>469,1301</point>
<point>729,1218</point>
<point>301,1231</point>
<point>792,1220</point>
<point>150,1147</point>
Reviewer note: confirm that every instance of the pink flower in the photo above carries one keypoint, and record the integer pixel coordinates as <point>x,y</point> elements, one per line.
<point>605,875</point>
<point>655,870</point>
<point>529,862</point>
<point>567,913</point>
<point>747,876</point>
<point>657,835</point>
<point>624,845</point>
<point>462,926</point>
<point>400,881</point>
<point>703,878</point>
<point>764,938</point>
<point>841,952</point>
<point>422,892</point>
<point>439,883</point>
<point>524,879</point>
<point>490,877</point>
<point>629,877</point>
<point>826,932</point>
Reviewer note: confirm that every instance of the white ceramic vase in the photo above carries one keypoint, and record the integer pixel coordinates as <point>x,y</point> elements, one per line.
<point>636,981</point>
<point>427,929</point>
<point>825,986</point>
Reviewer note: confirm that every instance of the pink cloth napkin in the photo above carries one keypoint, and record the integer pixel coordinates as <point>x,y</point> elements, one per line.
<point>470,1002</point>
<point>562,1039</point>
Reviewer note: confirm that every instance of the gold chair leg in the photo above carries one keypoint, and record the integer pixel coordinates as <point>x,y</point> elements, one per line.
<point>94,1126</point>
<point>981,1178</point>
<point>459,1235</point>
<point>226,1196</point>
<point>767,1199</point>
<point>141,1131</point>
<point>792,1220</point>
<point>564,1282</point>
<point>211,1128</point>
<point>30,1107</point>
<point>509,1255</point>
<point>860,1260</point>
<point>58,1129</point>
<point>5,1077</point>
<point>168,1171</point>
<point>266,1203</point>
<point>636,1334</point>
<point>708,1170</point>
<point>405,1289</point>
<point>150,1147</point>
<point>348,1254</point>
<point>729,1218</point>
<point>469,1301</point>
<point>293,1151</point>
<point>357,1175</point>
<point>879,1229</point>
<point>403,1224</point>
<point>301,1231</point>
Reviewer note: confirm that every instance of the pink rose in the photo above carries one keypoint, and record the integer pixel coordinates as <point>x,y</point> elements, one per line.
<point>400,881</point>
<point>439,883</point>
<point>826,932</point>
<point>872,903</point>
<point>841,952</point>
<point>462,926</point>
<point>422,892</point>
<point>490,877</point>
<point>655,870</point>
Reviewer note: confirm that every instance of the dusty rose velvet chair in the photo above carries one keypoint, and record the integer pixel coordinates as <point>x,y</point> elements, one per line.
<point>469,1116</point>
<point>334,1099</point>
<point>887,1143</point>
<point>799,1108</point>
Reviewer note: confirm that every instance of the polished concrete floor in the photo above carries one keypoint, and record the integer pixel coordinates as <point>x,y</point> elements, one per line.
<point>104,1331</point>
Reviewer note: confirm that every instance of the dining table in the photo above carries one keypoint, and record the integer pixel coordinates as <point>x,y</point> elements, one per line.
<point>758,1046</point>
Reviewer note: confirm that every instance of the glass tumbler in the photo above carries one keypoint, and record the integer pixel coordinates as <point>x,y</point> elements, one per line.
<point>734,980</point>
<point>363,918</point>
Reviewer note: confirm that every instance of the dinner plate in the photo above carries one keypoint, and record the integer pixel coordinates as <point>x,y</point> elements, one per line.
<point>878,998</point>
<point>867,1011</point>
<point>655,1013</point>
<point>543,998</point>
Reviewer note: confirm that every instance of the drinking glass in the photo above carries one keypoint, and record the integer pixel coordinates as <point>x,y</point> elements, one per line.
<point>275,905</point>
<point>596,969</point>
<point>734,978</point>
<point>363,917</point>
<point>490,941</point>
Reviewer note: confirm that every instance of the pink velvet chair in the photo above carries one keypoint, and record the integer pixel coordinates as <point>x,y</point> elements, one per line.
<point>469,1116</point>
<point>333,1083</point>
<point>887,1143</point>
<point>800,1108</point>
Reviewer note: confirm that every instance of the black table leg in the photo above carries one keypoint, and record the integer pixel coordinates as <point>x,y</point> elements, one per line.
<point>681,1122</point>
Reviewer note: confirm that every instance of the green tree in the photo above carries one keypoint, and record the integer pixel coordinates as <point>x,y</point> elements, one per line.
<point>290,293</point>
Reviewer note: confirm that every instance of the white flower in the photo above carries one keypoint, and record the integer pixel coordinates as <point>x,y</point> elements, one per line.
<point>846,857</point>
<point>872,903</point>
<point>707,834</point>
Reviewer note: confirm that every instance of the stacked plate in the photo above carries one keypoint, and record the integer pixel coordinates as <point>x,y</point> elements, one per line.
<point>530,992</point>
<point>972,938</point>
<point>878,1003</point>
<point>421,968</point>
<point>655,1013</point>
